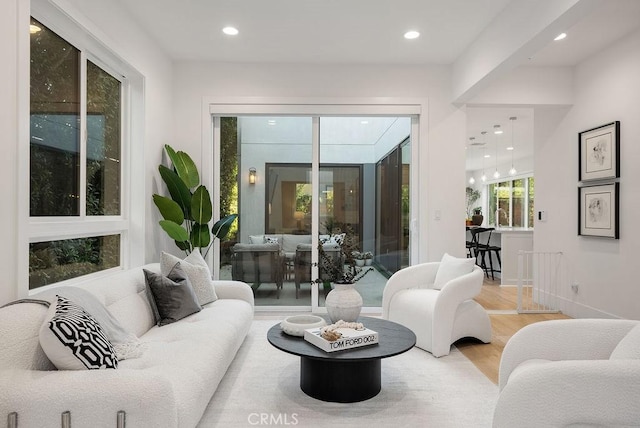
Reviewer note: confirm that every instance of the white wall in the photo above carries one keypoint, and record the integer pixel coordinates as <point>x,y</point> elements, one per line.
<point>9,87</point>
<point>443,154</point>
<point>606,88</point>
<point>115,28</point>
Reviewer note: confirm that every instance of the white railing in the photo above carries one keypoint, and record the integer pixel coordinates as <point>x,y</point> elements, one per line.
<point>539,279</point>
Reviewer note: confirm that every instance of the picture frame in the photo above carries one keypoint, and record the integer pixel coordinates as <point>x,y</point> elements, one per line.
<point>598,210</point>
<point>599,152</point>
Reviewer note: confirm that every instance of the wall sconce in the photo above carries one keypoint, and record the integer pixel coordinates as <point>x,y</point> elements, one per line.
<point>252,175</point>
<point>298,216</point>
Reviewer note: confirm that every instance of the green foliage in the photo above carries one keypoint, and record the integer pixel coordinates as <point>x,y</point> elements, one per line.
<point>229,170</point>
<point>472,196</point>
<point>186,215</point>
<point>345,271</point>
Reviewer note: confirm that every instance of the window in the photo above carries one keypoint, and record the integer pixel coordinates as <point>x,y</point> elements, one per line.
<point>75,161</point>
<point>512,202</point>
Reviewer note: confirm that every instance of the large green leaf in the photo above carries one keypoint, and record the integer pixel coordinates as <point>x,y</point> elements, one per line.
<point>184,246</point>
<point>200,236</point>
<point>221,227</point>
<point>177,189</point>
<point>185,167</point>
<point>201,206</point>
<point>175,231</point>
<point>169,209</point>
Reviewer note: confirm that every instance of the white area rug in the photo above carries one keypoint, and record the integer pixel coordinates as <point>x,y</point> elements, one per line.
<point>262,388</point>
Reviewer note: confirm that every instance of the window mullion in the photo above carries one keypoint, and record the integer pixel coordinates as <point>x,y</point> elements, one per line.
<point>510,203</point>
<point>83,136</point>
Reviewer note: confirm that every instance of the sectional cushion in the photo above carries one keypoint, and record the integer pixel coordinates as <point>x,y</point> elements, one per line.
<point>73,340</point>
<point>256,239</point>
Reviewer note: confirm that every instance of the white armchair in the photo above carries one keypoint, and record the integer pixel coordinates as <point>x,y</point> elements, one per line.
<point>583,372</point>
<point>437,317</point>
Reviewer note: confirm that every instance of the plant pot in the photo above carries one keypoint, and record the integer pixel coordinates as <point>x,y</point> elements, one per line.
<point>477,219</point>
<point>368,262</point>
<point>468,222</point>
<point>359,262</point>
<point>343,303</point>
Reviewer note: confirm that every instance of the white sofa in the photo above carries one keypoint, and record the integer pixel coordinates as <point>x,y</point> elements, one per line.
<point>170,385</point>
<point>577,373</point>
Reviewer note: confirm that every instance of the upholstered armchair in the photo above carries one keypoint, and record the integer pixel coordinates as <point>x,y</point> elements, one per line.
<point>438,306</point>
<point>582,372</point>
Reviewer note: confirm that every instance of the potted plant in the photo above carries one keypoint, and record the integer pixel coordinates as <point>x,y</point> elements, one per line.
<point>358,257</point>
<point>368,258</point>
<point>186,214</point>
<point>472,196</point>
<point>477,218</point>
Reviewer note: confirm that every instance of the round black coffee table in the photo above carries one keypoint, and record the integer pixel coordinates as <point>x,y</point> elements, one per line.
<point>350,375</point>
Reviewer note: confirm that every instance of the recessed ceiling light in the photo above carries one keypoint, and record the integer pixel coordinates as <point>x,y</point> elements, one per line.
<point>271,122</point>
<point>509,148</point>
<point>364,122</point>
<point>230,31</point>
<point>560,36</point>
<point>496,129</point>
<point>487,156</point>
<point>33,29</point>
<point>411,35</point>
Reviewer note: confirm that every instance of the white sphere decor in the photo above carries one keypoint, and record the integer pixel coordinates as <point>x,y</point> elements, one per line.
<point>296,325</point>
<point>343,303</point>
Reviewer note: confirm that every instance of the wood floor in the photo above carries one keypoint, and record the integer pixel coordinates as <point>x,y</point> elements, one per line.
<point>505,324</point>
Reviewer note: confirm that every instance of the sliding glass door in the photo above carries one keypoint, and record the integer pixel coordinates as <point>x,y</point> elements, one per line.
<point>309,202</point>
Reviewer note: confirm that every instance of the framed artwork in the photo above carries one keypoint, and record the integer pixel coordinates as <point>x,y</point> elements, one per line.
<point>598,210</point>
<point>600,152</point>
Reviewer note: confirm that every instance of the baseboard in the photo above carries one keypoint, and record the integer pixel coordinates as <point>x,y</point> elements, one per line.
<point>580,310</point>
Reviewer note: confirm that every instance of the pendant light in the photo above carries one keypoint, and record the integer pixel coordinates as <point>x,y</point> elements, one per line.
<point>484,149</point>
<point>496,174</point>
<point>512,171</point>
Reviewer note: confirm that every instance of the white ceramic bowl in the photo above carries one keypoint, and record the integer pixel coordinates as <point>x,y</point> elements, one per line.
<point>296,325</point>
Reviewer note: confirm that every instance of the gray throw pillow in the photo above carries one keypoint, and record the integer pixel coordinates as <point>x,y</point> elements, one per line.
<point>172,296</point>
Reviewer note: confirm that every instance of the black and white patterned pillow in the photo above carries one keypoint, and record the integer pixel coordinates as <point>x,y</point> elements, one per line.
<point>271,239</point>
<point>74,340</point>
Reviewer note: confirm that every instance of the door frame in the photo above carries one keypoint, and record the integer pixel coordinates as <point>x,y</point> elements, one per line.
<point>215,107</point>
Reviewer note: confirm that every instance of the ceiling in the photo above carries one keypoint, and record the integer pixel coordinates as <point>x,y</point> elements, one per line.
<point>314,31</point>
<point>371,32</point>
<point>355,31</point>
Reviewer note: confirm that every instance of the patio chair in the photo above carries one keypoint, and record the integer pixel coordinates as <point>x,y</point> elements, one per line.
<point>258,263</point>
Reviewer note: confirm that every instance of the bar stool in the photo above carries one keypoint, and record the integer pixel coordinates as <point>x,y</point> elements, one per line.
<point>484,248</point>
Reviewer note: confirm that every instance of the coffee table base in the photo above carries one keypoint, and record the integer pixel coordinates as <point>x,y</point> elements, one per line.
<point>340,381</point>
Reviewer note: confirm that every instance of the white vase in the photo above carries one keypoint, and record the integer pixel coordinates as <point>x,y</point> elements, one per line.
<point>343,303</point>
<point>359,262</point>
<point>368,262</point>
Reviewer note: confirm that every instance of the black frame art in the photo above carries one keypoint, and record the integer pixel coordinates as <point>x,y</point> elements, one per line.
<point>599,152</point>
<point>598,210</point>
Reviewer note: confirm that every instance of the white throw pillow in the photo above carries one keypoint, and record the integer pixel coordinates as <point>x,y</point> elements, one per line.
<point>197,271</point>
<point>451,268</point>
<point>73,340</point>
<point>256,239</point>
<point>629,346</point>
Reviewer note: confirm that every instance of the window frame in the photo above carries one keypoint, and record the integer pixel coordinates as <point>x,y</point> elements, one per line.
<point>48,228</point>
<point>491,210</point>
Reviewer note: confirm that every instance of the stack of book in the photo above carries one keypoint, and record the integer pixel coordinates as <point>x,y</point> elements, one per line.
<point>350,339</point>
